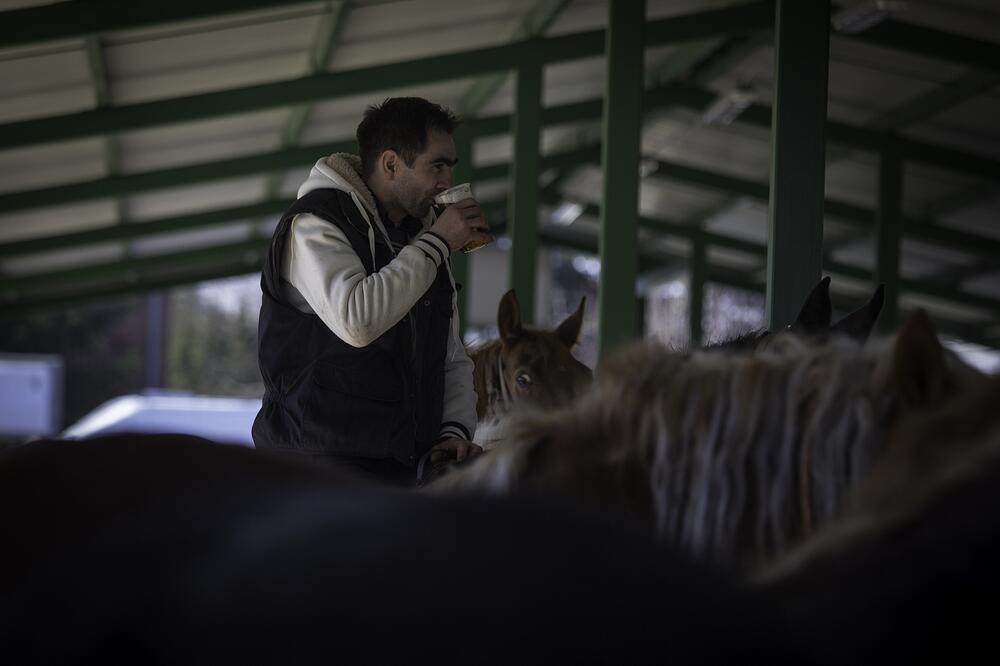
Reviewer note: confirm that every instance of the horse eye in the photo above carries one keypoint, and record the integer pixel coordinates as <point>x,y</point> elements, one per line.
<point>523,380</point>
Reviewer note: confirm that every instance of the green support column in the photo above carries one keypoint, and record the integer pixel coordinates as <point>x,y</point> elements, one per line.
<point>460,261</point>
<point>888,223</point>
<point>620,163</point>
<point>696,302</point>
<point>795,216</point>
<point>523,208</point>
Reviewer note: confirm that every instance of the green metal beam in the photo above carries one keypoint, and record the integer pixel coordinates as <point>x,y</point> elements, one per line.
<point>524,191</point>
<point>69,20</point>
<point>888,236</point>
<point>101,82</point>
<point>795,214</point>
<point>364,80</point>
<point>619,219</point>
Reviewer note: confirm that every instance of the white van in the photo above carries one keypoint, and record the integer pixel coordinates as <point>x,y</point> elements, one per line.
<point>220,419</point>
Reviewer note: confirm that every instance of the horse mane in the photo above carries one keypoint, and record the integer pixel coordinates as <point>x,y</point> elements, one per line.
<point>737,452</point>
<point>930,460</point>
<point>744,341</point>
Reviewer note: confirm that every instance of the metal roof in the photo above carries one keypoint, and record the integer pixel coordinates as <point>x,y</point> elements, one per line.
<point>143,146</point>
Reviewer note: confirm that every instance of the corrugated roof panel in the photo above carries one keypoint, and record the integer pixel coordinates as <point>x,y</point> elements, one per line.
<point>179,64</point>
<point>924,187</point>
<point>898,63</point>
<point>391,32</point>
<point>579,16</point>
<point>204,141</point>
<point>853,179</point>
<point>218,22</point>
<point>43,85</point>
<point>573,81</point>
<point>51,220</point>
<point>54,164</point>
<point>195,198</point>
<point>211,77</point>
<point>744,219</point>
<point>737,149</point>
<point>939,307</point>
<point>668,200</point>
<point>194,239</point>
<point>58,260</point>
<point>734,259</point>
<point>984,285</point>
<point>338,118</point>
<point>977,214</point>
<point>976,20</point>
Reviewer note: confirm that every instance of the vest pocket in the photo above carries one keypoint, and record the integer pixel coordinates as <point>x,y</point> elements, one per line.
<point>356,405</point>
<point>368,380</point>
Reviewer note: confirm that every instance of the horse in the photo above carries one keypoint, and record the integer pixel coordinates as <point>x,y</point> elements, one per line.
<point>735,457</point>
<point>172,549</point>
<point>916,545</point>
<point>525,367</point>
<point>815,320</point>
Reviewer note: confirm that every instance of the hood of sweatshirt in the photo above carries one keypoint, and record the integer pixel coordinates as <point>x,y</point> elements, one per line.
<point>340,171</point>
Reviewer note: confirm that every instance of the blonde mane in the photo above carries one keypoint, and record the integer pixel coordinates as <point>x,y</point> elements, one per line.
<point>739,455</point>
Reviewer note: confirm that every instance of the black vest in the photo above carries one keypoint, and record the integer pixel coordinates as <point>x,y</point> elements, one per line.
<point>321,395</point>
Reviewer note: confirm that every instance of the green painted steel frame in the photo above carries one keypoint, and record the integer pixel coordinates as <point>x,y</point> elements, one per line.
<point>622,125</point>
<point>795,214</point>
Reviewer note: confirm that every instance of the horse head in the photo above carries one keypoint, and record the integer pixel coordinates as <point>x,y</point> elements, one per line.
<point>529,366</point>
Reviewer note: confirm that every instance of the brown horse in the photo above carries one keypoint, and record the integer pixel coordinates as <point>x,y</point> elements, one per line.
<point>735,457</point>
<point>525,367</point>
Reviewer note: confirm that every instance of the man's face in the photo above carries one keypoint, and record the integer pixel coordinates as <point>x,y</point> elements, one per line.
<point>432,172</point>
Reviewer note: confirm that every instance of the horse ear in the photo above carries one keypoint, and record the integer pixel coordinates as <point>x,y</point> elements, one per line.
<point>569,330</point>
<point>816,310</point>
<point>859,324</point>
<point>509,317</point>
<point>919,369</point>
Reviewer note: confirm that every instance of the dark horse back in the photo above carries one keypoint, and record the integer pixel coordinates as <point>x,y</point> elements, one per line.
<point>175,550</point>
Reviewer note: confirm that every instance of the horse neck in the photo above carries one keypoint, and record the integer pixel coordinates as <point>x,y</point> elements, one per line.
<point>493,395</point>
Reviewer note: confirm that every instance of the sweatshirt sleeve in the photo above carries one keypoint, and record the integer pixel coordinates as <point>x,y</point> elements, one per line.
<point>459,416</point>
<point>322,265</point>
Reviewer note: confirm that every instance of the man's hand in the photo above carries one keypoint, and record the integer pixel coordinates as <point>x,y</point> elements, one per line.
<point>462,223</point>
<point>453,449</point>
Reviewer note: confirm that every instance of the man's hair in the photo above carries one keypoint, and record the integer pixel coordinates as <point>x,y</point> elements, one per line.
<point>400,124</point>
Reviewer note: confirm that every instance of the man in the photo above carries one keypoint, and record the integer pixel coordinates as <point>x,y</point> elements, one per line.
<point>358,337</point>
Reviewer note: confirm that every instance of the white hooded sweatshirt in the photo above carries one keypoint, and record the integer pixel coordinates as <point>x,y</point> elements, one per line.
<point>321,274</point>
